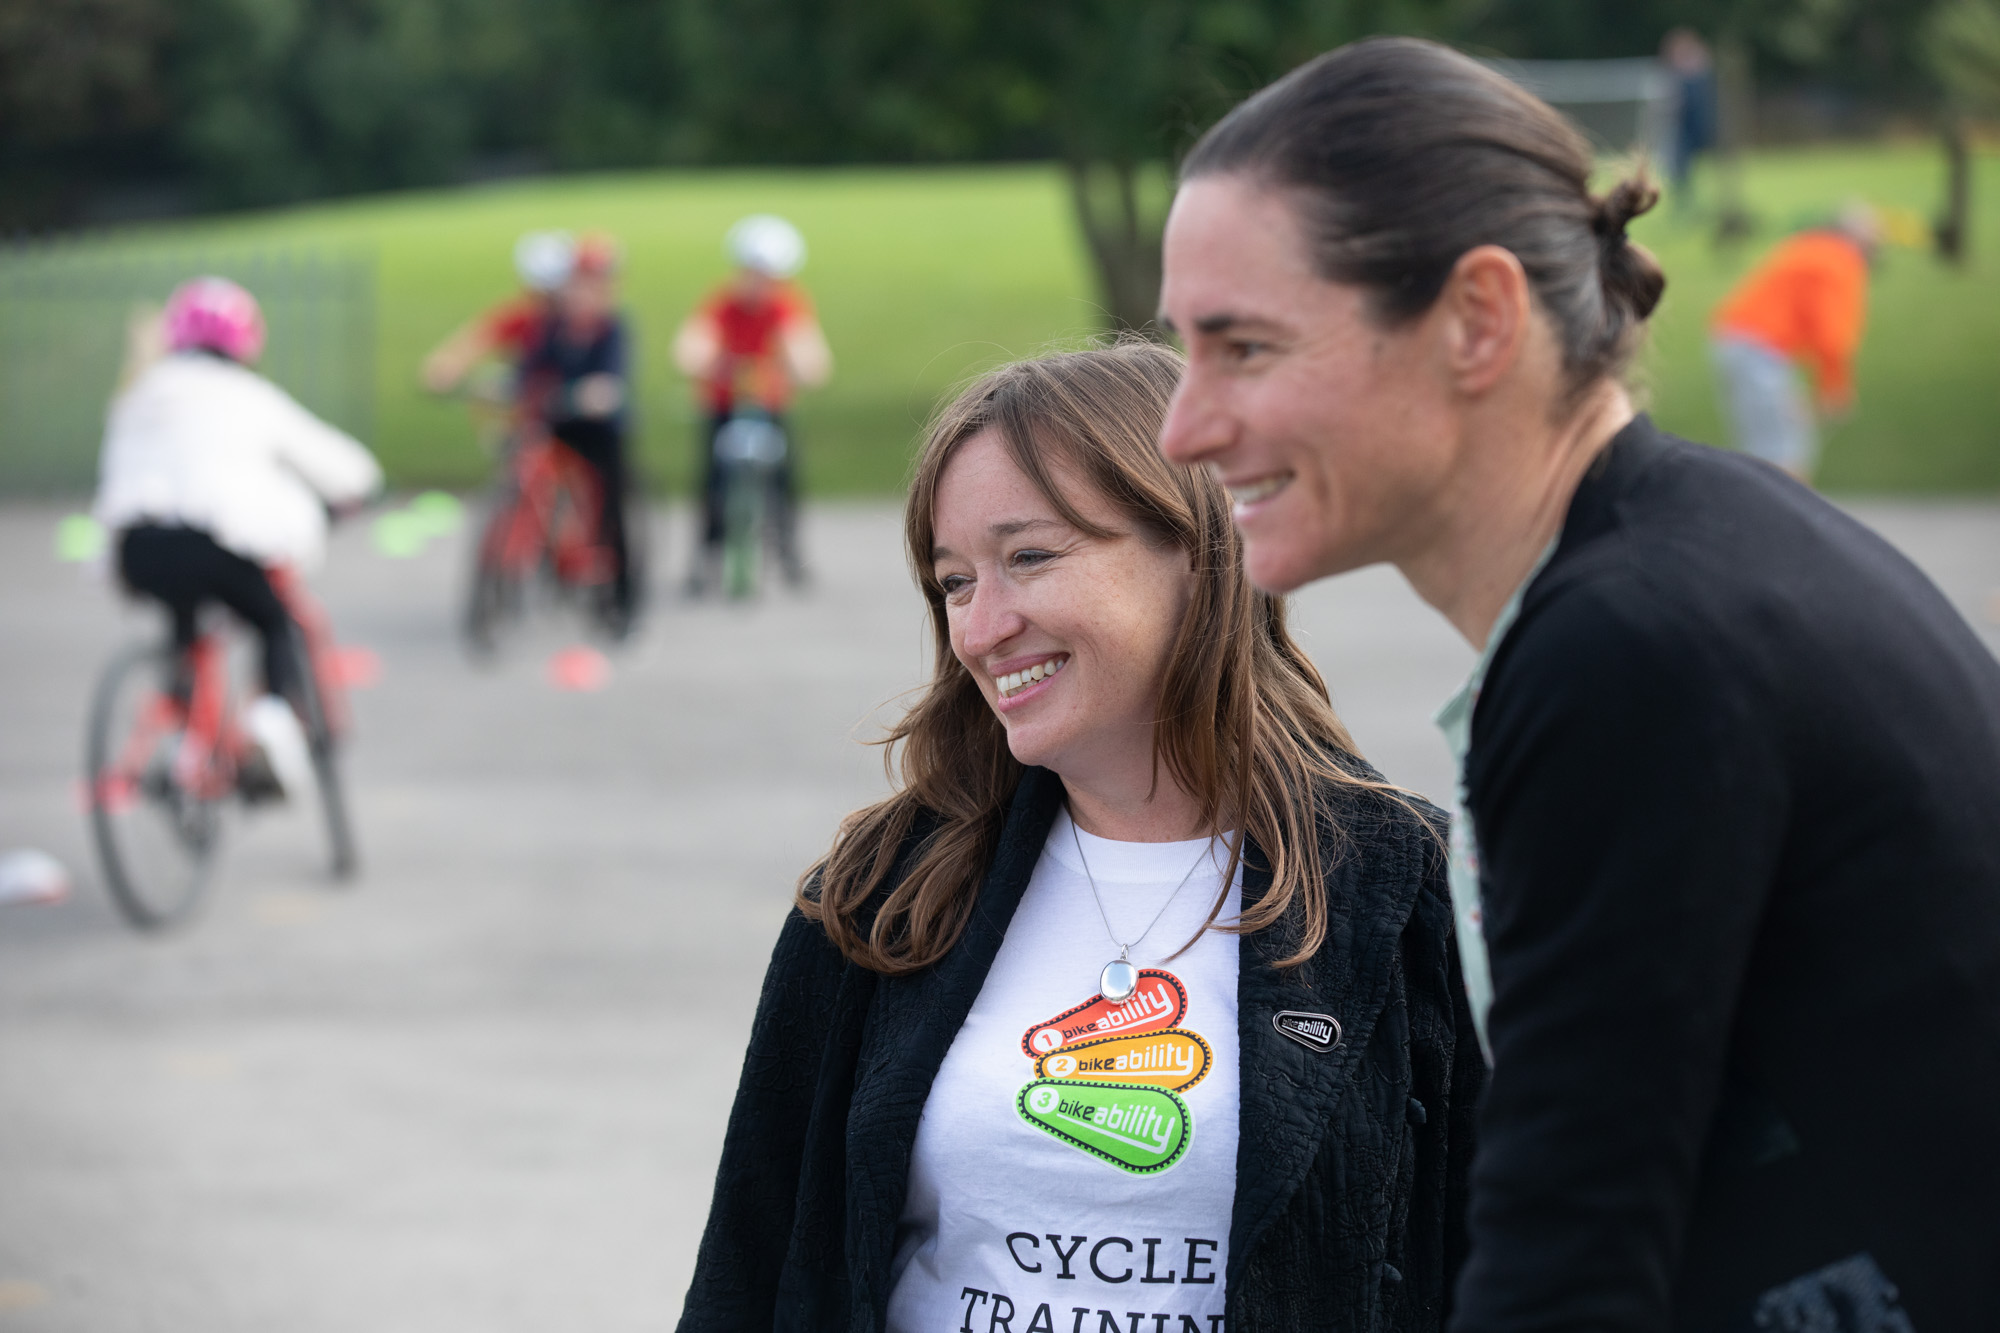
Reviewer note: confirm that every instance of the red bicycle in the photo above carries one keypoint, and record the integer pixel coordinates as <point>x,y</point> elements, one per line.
<point>165,750</point>
<point>544,523</point>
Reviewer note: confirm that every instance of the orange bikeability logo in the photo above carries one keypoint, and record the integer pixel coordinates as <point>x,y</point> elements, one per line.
<point>1174,1059</point>
<point>1160,1002</point>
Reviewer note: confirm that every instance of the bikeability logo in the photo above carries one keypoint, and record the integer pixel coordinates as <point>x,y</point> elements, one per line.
<point>1160,1002</point>
<point>1138,1129</point>
<point>1174,1059</point>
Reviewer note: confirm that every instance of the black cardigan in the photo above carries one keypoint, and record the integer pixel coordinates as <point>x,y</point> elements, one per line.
<point>1736,780</point>
<point>1351,1165</point>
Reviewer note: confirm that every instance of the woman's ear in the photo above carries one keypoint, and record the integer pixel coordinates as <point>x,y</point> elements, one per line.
<point>1191,583</point>
<point>1485,308</point>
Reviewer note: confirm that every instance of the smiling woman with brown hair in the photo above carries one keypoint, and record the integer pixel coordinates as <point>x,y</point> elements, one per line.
<point>1137,1003</point>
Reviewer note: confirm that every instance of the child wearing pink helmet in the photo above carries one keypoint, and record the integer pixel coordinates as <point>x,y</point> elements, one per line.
<point>214,315</point>
<point>210,475</point>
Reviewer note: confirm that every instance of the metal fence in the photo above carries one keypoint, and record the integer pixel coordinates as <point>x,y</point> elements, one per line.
<point>64,310</point>
<point>1620,105</point>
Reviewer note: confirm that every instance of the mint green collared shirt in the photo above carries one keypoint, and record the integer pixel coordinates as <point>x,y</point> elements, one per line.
<point>1455,721</point>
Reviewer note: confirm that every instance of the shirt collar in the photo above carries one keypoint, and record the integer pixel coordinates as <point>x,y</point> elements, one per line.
<point>1454,718</point>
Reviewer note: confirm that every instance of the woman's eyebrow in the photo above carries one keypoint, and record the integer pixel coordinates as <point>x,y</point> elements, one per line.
<point>1227,322</point>
<point>1014,527</point>
<point>1009,528</point>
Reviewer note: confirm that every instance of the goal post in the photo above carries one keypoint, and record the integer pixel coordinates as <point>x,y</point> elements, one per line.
<point>1622,106</point>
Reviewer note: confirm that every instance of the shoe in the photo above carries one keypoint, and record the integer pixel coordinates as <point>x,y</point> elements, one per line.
<point>280,742</point>
<point>616,621</point>
<point>255,782</point>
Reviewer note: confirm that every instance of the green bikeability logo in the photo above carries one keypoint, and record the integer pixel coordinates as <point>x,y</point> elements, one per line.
<point>1143,1130</point>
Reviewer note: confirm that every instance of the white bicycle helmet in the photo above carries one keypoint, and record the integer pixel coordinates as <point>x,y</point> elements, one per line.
<point>544,259</point>
<point>767,244</point>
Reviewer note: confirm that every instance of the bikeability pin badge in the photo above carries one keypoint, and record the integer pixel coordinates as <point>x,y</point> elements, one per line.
<point>1315,1032</point>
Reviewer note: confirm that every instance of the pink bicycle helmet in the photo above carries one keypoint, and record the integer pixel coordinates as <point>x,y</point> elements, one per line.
<point>215,314</point>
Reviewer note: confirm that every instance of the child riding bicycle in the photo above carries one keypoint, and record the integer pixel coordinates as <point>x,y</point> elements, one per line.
<point>212,476</point>
<point>565,342</point>
<point>749,346</point>
<point>573,378</point>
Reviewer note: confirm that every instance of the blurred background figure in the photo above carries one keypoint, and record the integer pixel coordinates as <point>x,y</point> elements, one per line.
<point>145,342</point>
<point>211,474</point>
<point>574,377</point>
<point>749,346</point>
<point>1804,305</point>
<point>562,346</point>
<point>507,332</point>
<point>1697,122</point>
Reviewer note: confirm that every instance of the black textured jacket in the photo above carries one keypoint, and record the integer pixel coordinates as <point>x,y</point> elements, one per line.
<point>1735,774</point>
<point>1351,1167</point>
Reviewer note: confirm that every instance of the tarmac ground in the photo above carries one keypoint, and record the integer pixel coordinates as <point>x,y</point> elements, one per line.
<point>483,1089</point>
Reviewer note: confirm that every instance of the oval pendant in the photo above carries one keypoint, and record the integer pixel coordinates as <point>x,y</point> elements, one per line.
<point>1118,980</point>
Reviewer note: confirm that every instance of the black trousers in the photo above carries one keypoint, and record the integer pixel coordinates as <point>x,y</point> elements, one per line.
<point>784,494</point>
<point>184,569</point>
<point>602,445</point>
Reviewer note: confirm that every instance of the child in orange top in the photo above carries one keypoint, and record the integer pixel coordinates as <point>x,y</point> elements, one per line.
<point>749,345</point>
<point>1805,304</point>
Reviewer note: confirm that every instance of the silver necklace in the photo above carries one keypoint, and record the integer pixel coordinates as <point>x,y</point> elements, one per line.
<point>1120,976</point>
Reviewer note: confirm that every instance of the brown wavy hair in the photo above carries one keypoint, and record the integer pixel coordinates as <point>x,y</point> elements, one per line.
<point>1244,723</point>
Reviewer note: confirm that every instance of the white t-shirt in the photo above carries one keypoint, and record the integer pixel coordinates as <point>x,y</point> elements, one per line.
<point>205,443</point>
<point>1075,1167</point>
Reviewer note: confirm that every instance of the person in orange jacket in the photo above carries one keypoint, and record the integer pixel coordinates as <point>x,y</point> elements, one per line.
<point>1805,304</point>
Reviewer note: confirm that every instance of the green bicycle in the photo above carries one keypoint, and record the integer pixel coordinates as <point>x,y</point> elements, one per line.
<point>749,449</point>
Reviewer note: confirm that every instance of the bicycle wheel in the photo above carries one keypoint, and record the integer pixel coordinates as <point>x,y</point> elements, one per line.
<point>342,856</point>
<point>743,529</point>
<point>497,589</point>
<point>573,560</point>
<point>156,833</point>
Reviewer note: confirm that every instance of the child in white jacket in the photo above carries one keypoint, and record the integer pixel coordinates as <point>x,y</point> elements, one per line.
<point>212,474</point>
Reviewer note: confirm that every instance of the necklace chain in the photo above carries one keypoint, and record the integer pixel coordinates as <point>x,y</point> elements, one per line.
<point>1125,950</point>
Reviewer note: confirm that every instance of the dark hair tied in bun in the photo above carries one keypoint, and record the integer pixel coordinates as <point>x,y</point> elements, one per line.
<point>1400,155</point>
<point>1613,212</point>
<point>1632,277</point>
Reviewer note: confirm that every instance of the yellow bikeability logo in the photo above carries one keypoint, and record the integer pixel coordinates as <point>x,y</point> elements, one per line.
<point>1175,1059</point>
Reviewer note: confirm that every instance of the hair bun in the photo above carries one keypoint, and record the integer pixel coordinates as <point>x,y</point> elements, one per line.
<point>1631,276</point>
<point>1610,214</point>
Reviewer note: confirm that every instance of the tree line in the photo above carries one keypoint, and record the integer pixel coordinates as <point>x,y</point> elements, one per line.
<point>204,104</point>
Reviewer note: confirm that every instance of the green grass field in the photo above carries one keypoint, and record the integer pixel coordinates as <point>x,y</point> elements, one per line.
<point>923,276</point>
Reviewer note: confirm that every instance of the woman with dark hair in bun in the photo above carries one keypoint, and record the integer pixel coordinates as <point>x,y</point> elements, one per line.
<point>1727,861</point>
